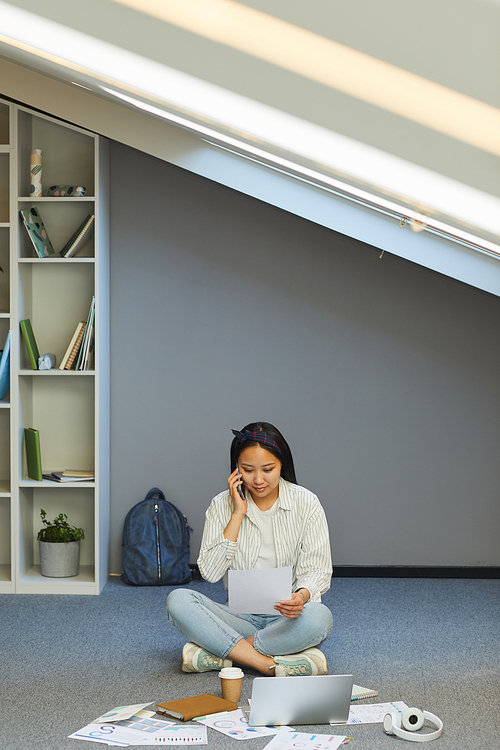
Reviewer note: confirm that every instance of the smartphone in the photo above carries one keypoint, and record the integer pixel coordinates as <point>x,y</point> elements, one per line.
<point>241,488</point>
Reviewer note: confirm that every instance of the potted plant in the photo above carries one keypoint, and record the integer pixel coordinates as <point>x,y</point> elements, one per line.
<point>59,547</point>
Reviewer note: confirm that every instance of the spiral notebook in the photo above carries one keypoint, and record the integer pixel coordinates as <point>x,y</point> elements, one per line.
<point>358,693</point>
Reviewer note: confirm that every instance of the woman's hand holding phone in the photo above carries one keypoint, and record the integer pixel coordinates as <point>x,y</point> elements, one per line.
<point>237,492</point>
<point>240,505</point>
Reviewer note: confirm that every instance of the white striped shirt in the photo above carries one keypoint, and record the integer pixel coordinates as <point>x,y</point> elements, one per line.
<point>300,535</point>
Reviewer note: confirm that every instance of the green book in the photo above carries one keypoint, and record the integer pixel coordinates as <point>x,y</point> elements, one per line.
<point>29,340</point>
<point>33,454</point>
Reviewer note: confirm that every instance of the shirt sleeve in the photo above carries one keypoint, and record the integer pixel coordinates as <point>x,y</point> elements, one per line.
<point>314,565</point>
<point>216,552</point>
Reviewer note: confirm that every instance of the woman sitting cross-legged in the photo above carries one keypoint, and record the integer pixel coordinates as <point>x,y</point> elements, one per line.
<point>263,520</point>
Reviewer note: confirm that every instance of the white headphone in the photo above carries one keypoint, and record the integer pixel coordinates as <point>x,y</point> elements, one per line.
<point>411,720</point>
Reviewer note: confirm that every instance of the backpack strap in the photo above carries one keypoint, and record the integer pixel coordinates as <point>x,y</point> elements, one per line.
<point>155,491</point>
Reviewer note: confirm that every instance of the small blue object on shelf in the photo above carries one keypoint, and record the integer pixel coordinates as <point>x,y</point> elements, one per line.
<point>46,361</point>
<point>5,370</point>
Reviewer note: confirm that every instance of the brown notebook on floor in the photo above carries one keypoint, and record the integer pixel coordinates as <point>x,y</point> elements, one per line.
<point>186,709</point>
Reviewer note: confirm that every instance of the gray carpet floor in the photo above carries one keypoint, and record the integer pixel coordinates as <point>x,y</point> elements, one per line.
<point>433,643</point>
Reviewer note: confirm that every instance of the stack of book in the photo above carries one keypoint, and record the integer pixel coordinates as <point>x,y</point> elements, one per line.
<point>81,346</point>
<point>71,475</point>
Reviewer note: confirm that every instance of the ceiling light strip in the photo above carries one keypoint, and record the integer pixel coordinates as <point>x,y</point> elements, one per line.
<point>312,176</point>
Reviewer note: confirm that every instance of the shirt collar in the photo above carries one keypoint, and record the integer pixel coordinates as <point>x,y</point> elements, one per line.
<point>284,500</point>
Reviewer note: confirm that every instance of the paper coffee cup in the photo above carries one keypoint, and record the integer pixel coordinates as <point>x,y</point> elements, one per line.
<point>230,680</point>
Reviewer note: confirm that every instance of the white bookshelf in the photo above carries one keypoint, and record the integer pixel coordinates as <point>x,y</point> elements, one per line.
<point>7,553</point>
<point>70,409</point>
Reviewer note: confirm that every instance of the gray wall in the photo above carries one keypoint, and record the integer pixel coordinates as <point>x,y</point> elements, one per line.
<point>382,375</point>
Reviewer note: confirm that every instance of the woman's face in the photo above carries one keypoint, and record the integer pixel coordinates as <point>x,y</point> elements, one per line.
<point>260,472</point>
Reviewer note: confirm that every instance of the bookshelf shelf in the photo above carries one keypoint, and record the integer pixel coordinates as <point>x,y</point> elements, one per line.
<point>55,485</point>
<point>69,408</point>
<point>56,373</point>
<point>35,261</point>
<point>53,199</point>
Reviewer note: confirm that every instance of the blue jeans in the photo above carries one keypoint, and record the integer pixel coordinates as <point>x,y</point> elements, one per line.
<point>213,627</point>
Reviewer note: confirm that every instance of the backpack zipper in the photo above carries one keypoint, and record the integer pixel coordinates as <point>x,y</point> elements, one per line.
<point>157,533</point>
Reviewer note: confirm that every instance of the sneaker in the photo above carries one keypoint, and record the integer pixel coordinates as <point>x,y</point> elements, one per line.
<point>196,659</point>
<point>308,662</point>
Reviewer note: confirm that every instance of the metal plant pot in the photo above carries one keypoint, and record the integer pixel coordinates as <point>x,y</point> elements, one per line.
<point>59,559</point>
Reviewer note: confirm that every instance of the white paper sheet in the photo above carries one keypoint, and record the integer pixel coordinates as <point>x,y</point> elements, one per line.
<point>305,741</point>
<point>145,721</point>
<point>108,734</point>
<point>178,735</point>
<point>234,724</point>
<point>257,591</point>
<point>120,736</point>
<point>372,713</point>
<point>121,712</point>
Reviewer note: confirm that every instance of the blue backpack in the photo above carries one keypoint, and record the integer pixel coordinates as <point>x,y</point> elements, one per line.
<point>155,546</point>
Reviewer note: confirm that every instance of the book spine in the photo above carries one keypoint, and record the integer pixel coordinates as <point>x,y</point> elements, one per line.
<point>75,349</point>
<point>71,345</point>
<point>33,454</point>
<point>88,331</point>
<point>27,332</point>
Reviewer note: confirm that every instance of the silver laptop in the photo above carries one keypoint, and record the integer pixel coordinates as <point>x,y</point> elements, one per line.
<point>318,699</point>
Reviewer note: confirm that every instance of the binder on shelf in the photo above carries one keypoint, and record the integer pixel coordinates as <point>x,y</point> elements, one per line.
<point>77,239</point>
<point>33,453</point>
<point>30,341</point>
<point>5,369</point>
<point>37,232</point>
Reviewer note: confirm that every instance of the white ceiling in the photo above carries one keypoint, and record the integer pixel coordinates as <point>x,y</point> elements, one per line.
<point>453,43</point>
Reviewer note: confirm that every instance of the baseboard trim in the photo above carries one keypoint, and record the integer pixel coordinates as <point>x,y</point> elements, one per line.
<point>401,571</point>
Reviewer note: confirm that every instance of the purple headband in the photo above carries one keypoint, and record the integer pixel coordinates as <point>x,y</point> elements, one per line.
<point>256,437</point>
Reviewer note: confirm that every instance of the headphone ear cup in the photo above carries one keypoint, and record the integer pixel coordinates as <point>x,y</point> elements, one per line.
<point>391,721</point>
<point>412,719</point>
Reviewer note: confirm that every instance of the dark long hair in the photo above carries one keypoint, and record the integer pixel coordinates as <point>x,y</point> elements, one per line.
<point>287,467</point>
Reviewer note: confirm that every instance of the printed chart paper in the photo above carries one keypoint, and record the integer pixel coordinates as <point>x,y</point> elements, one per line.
<point>178,735</point>
<point>108,734</point>
<point>235,725</point>
<point>372,713</point>
<point>145,721</point>
<point>304,741</point>
<point>121,712</point>
<point>119,736</point>
<point>257,591</point>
